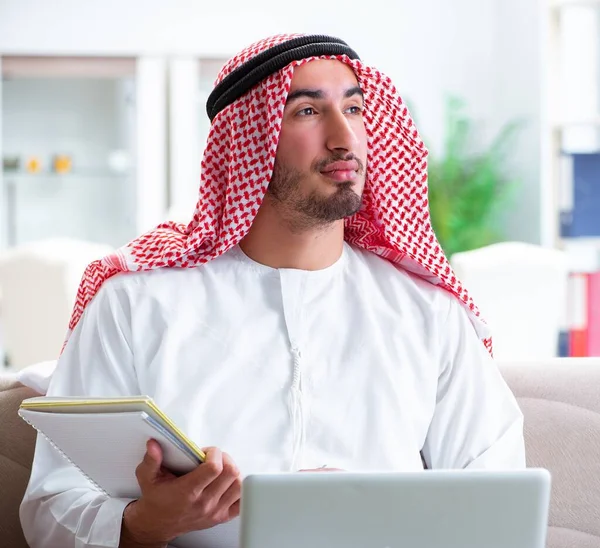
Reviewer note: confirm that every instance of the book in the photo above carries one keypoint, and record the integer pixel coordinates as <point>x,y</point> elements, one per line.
<point>579,195</point>
<point>578,316</point>
<point>105,438</point>
<point>594,314</point>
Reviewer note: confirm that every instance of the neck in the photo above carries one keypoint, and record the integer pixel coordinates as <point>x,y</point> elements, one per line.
<point>276,242</point>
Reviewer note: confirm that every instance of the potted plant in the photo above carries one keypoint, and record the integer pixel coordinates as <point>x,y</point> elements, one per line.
<point>469,186</point>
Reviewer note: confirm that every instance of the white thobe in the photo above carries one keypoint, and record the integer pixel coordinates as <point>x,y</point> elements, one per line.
<point>360,366</point>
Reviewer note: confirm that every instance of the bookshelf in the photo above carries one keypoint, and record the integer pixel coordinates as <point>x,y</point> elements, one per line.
<point>72,130</point>
<point>571,100</point>
<point>571,162</point>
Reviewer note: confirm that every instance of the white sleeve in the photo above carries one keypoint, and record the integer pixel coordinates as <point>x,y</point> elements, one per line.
<point>60,507</point>
<point>477,422</point>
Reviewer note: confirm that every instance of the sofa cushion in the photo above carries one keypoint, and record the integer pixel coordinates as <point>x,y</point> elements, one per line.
<point>563,538</point>
<point>561,405</point>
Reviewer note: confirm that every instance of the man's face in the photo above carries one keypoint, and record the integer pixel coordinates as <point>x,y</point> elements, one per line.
<point>320,167</point>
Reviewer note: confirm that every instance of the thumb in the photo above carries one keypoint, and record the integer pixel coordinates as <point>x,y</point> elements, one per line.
<point>153,457</point>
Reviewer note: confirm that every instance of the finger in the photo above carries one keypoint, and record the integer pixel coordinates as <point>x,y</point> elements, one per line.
<point>219,486</point>
<point>149,468</point>
<point>232,495</point>
<point>229,462</point>
<point>234,509</point>
<point>204,474</point>
<point>154,452</point>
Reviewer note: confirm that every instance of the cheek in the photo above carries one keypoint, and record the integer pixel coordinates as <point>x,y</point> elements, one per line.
<point>363,143</point>
<point>296,149</point>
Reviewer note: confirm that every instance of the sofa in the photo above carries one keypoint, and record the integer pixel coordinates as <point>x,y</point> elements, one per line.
<point>560,399</point>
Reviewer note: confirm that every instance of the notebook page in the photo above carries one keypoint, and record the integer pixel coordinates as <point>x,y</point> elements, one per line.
<point>108,447</point>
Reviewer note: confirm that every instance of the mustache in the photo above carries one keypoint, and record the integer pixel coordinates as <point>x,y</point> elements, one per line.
<point>321,165</point>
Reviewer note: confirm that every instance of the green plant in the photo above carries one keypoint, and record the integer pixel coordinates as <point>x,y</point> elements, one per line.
<point>469,187</point>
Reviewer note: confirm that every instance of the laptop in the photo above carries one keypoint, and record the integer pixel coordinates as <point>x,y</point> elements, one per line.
<point>428,509</point>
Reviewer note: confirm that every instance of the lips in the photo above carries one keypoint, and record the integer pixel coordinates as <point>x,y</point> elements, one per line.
<point>341,171</point>
<point>351,165</point>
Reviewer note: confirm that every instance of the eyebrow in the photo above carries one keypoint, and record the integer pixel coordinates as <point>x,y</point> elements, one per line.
<point>318,94</point>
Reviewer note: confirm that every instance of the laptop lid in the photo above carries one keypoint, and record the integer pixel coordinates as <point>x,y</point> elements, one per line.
<point>428,509</point>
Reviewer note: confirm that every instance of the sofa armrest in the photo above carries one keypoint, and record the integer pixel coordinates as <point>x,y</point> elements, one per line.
<point>16,456</point>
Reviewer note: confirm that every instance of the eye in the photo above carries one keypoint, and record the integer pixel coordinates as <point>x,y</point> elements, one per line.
<point>308,111</point>
<point>355,110</point>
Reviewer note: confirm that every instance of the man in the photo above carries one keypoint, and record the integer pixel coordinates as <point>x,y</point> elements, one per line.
<point>309,317</point>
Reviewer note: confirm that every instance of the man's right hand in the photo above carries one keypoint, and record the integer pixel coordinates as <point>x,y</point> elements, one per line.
<point>171,506</point>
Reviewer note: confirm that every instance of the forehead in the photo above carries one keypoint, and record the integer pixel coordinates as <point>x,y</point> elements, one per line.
<point>323,73</point>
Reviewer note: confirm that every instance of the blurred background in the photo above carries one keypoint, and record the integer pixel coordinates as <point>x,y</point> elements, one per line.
<point>102,128</point>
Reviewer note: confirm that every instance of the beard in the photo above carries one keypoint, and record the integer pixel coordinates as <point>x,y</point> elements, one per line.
<point>314,210</point>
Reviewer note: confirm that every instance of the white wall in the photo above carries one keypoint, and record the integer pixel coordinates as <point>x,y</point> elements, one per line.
<point>428,48</point>
<point>517,79</point>
<point>478,49</point>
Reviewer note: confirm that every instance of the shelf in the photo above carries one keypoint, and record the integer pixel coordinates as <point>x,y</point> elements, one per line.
<point>22,66</point>
<point>583,254</point>
<point>579,242</point>
<point>559,4</point>
<point>14,175</point>
<point>593,121</point>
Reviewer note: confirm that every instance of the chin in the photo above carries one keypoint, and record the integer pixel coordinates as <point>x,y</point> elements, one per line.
<point>341,186</point>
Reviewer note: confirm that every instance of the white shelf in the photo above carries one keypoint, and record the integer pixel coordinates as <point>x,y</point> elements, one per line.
<point>588,241</point>
<point>592,121</point>
<point>583,254</point>
<point>559,4</point>
<point>67,67</point>
<point>8,175</point>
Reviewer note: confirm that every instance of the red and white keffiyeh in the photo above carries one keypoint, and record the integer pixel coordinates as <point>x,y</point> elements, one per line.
<point>237,165</point>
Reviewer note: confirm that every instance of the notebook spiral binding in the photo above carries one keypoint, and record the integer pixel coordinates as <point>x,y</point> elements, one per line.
<point>68,459</point>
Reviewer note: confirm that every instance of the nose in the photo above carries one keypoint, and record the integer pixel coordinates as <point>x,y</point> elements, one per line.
<point>341,136</point>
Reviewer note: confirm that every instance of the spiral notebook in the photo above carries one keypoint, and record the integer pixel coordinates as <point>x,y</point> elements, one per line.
<point>105,438</point>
